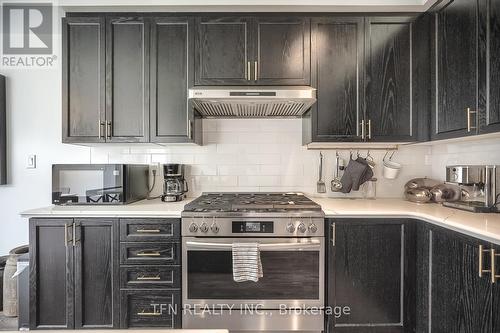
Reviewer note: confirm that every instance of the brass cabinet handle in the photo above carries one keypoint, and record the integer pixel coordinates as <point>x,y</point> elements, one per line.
<point>363,129</point>
<point>494,276</point>
<point>469,121</point>
<point>256,71</point>
<point>369,128</point>
<point>144,313</point>
<point>74,234</point>
<point>333,234</point>
<point>190,129</point>
<point>65,235</point>
<point>248,71</point>
<point>481,270</point>
<point>149,254</point>
<point>108,129</point>
<point>148,278</point>
<point>100,125</point>
<point>149,231</point>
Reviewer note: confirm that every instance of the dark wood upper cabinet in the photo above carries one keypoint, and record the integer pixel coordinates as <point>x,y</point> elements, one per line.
<point>172,57</point>
<point>337,74</point>
<point>456,72</point>
<point>460,300</point>
<point>96,260</point>
<point>252,51</point>
<point>388,79</point>
<point>127,78</point>
<point>223,51</point>
<point>371,270</point>
<point>489,66</point>
<point>282,51</point>
<point>83,79</point>
<point>51,274</point>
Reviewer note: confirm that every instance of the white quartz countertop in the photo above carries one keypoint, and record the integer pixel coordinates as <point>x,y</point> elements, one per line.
<point>483,226</point>
<point>149,330</point>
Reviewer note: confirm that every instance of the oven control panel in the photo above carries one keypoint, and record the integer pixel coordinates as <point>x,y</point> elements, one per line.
<point>241,227</point>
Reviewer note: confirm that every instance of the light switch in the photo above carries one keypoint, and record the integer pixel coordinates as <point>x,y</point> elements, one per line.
<point>31,162</point>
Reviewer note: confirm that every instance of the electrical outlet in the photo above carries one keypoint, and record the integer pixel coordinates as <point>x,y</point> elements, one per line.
<point>31,162</point>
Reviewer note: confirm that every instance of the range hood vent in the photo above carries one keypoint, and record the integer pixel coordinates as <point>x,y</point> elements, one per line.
<point>252,102</point>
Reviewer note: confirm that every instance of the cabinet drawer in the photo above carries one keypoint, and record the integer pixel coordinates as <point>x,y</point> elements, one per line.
<point>139,230</point>
<point>150,309</point>
<point>147,277</point>
<point>150,253</point>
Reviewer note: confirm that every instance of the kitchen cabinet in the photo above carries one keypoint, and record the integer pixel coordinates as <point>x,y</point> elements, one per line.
<point>371,269</point>
<point>456,69</point>
<point>370,97</point>
<point>388,80</point>
<point>127,79</point>
<point>282,51</point>
<point>84,109</point>
<point>51,274</point>
<point>489,48</point>
<point>74,273</point>
<point>252,51</point>
<point>172,63</point>
<point>223,51</point>
<point>495,292</point>
<point>150,273</point>
<point>337,71</point>
<point>455,291</point>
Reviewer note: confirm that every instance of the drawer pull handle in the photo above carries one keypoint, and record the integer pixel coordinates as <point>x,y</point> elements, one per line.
<point>149,231</point>
<point>148,278</point>
<point>149,254</point>
<point>494,255</point>
<point>144,313</point>
<point>481,270</point>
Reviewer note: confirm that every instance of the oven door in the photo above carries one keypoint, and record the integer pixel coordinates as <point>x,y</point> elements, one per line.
<point>293,273</point>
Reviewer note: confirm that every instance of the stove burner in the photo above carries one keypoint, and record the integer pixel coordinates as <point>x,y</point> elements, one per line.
<point>251,202</point>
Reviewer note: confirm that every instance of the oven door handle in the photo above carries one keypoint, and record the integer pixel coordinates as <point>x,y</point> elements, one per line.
<point>314,243</point>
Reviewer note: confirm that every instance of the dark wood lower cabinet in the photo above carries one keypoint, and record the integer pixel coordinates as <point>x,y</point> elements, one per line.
<point>74,273</point>
<point>371,270</point>
<point>495,292</point>
<point>51,274</point>
<point>96,274</point>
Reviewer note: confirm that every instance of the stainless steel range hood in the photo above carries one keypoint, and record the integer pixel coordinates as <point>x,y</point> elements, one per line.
<point>252,102</point>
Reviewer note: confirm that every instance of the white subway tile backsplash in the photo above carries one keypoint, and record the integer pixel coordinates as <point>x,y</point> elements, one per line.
<point>267,155</point>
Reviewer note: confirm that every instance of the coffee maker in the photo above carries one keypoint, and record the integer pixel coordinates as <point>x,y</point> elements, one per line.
<point>480,187</point>
<point>175,185</point>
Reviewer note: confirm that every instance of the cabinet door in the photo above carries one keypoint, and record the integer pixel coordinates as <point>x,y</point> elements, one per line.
<point>83,50</point>
<point>389,102</point>
<point>460,299</point>
<point>489,39</point>
<point>96,274</point>
<point>222,51</point>
<point>337,67</point>
<point>371,270</point>
<point>456,75</point>
<point>51,274</point>
<point>282,51</point>
<point>127,80</point>
<point>172,55</point>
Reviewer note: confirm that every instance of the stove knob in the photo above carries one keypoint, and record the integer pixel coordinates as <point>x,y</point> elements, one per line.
<point>290,228</point>
<point>215,228</point>
<point>313,228</point>
<point>302,227</point>
<point>193,227</point>
<point>203,227</point>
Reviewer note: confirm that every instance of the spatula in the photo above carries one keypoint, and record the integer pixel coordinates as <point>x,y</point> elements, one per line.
<point>320,185</point>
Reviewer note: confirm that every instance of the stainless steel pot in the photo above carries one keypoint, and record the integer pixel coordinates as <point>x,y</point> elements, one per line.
<point>418,195</point>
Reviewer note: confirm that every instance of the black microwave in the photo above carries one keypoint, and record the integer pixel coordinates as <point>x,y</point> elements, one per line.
<point>99,184</point>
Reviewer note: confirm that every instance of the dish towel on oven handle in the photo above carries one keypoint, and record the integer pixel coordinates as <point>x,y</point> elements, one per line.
<point>247,265</point>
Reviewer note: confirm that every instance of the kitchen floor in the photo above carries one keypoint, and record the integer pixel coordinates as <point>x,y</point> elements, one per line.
<point>7,323</point>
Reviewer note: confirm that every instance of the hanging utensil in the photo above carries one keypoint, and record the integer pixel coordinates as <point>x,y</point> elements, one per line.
<point>370,160</point>
<point>320,185</point>
<point>336,183</point>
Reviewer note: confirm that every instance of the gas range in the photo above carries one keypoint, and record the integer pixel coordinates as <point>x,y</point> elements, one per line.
<point>252,214</point>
